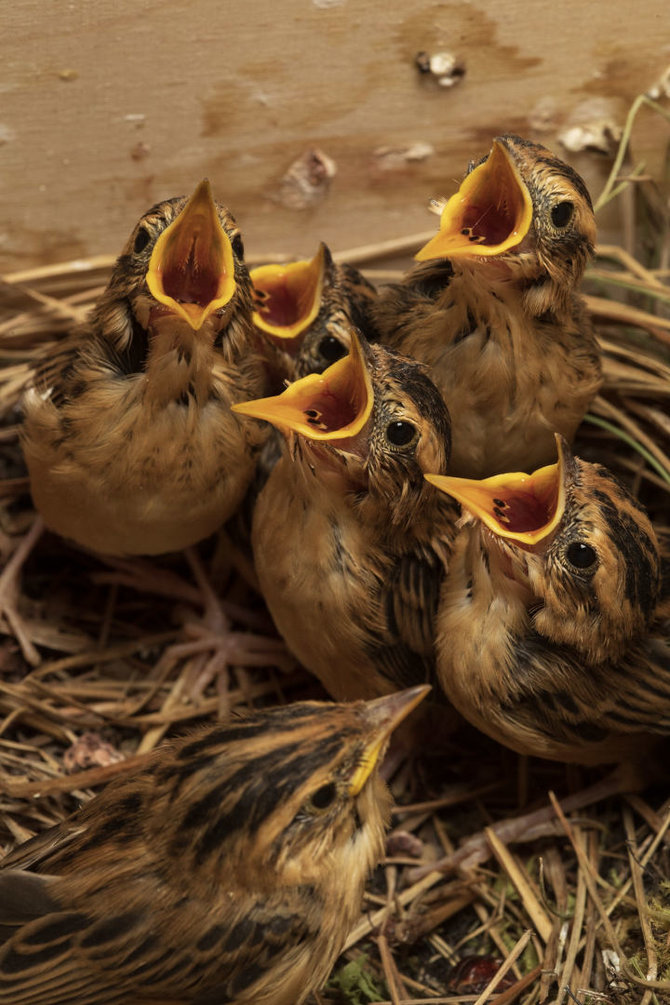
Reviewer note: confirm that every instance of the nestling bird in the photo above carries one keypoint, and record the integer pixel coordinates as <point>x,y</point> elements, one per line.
<point>306,310</point>
<point>493,309</point>
<point>551,637</point>
<point>128,435</point>
<point>229,869</point>
<point>305,313</point>
<point>350,543</point>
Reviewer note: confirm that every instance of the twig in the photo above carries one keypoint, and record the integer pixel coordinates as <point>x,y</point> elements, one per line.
<point>607,192</point>
<point>496,979</point>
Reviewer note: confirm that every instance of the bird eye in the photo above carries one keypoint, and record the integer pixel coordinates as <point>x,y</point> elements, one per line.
<point>331,348</point>
<point>400,433</point>
<point>561,214</point>
<point>238,246</point>
<point>581,555</point>
<point>142,238</point>
<point>323,797</point>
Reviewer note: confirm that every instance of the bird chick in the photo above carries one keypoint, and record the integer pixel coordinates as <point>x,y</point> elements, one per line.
<point>551,639</point>
<point>306,310</point>
<point>493,309</point>
<point>128,435</point>
<point>349,542</point>
<point>230,868</point>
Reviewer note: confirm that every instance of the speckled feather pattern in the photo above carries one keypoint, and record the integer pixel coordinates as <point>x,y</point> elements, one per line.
<point>552,659</point>
<point>351,545</point>
<point>208,876</point>
<point>507,339</point>
<point>128,434</point>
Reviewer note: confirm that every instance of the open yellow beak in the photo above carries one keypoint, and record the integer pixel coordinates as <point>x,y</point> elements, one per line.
<point>333,405</point>
<point>291,295</point>
<point>383,715</point>
<point>520,507</point>
<point>491,213</point>
<point>192,270</point>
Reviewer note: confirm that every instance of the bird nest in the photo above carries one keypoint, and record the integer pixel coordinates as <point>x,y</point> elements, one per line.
<point>470,905</point>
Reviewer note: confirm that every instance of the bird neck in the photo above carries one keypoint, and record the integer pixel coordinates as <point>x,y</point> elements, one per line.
<point>407,516</point>
<point>179,364</point>
<point>493,291</point>
<point>398,517</point>
<point>483,616</point>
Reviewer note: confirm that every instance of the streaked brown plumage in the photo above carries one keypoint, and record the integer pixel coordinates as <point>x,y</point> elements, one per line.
<point>307,309</point>
<point>551,638</point>
<point>228,870</point>
<point>493,309</point>
<point>128,435</point>
<point>350,543</point>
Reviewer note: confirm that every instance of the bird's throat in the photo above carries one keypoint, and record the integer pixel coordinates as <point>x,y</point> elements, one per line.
<point>179,364</point>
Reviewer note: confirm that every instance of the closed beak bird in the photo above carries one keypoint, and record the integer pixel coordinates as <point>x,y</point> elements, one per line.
<point>230,868</point>
<point>350,543</point>
<point>128,436</point>
<point>493,309</point>
<point>551,637</point>
<point>306,310</point>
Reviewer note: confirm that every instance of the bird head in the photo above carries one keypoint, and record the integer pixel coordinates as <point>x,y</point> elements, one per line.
<point>580,544</point>
<point>183,266</point>
<point>520,211</point>
<point>371,423</point>
<point>285,796</point>
<point>301,310</point>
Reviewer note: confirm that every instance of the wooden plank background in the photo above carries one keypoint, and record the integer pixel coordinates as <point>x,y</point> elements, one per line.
<point>107,106</point>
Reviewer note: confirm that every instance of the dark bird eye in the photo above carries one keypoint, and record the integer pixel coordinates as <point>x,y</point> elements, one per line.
<point>324,796</point>
<point>238,247</point>
<point>142,238</point>
<point>581,555</point>
<point>400,433</point>
<point>561,214</point>
<point>331,348</point>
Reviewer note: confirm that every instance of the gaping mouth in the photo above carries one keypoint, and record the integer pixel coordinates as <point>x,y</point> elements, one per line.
<point>491,213</point>
<point>333,405</point>
<point>520,507</point>
<point>290,296</point>
<point>192,270</point>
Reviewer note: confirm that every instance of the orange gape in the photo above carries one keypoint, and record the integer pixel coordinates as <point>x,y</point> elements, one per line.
<point>493,310</point>
<point>552,633</point>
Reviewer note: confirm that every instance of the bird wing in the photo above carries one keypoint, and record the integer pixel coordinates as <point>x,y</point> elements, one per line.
<point>37,849</point>
<point>145,949</point>
<point>589,706</point>
<point>405,652</point>
<point>23,897</point>
<point>58,374</point>
<point>401,307</point>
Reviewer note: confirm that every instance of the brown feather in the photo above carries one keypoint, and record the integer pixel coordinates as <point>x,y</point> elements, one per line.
<point>506,338</point>
<point>128,435</point>
<point>229,868</point>
<point>552,659</point>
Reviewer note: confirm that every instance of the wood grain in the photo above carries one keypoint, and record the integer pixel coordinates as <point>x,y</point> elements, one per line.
<point>107,106</point>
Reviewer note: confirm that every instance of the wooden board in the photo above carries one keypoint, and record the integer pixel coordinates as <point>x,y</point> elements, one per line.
<point>107,106</point>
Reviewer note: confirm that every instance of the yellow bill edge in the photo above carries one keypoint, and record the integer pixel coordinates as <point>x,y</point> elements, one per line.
<point>332,405</point>
<point>192,269</point>
<point>292,296</point>
<point>490,214</point>
<point>384,715</point>
<point>526,508</point>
